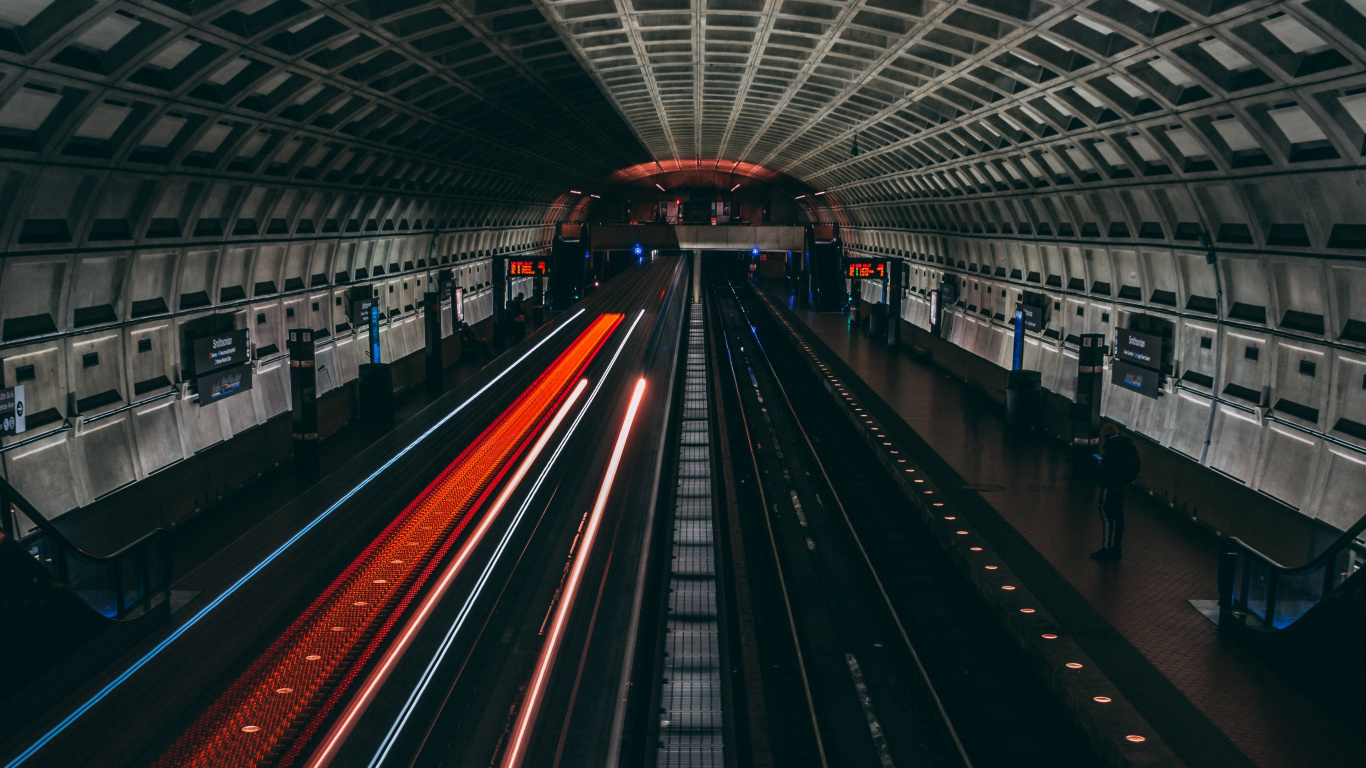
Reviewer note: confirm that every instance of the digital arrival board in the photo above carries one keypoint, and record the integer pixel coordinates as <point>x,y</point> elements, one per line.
<point>528,268</point>
<point>875,269</point>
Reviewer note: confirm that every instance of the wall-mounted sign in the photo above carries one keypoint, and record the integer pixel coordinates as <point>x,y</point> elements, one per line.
<point>367,316</point>
<point>1140,349</point>
<point>529,267</point>
<point>223,384</point>
<point>12,410</point>
<point>1034,318</point>
<point>458,302</point>
<point>934,309</point>
<point>1144,381</point>
<point>220,350</point>
<point>360,311</point>
<point>875,269</point>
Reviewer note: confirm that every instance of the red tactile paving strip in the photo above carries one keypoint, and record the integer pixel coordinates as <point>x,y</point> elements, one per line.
<point>1167,561</point>
<point>269,714</point>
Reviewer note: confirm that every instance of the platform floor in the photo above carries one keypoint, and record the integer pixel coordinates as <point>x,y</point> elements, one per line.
<point>1199,691</point>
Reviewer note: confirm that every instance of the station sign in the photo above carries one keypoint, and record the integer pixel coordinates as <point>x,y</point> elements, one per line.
<point>360,310</point>
<point>1141,349</point>
<point>529,267</point>
<point>875,269</point>
<point>223,384</point>
<point>1033,317</point>
<point>12,410</point>
<point>1144,381</point>
<point>218,351</point>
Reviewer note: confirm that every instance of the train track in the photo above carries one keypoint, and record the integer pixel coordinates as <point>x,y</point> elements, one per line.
<point>874,651</point>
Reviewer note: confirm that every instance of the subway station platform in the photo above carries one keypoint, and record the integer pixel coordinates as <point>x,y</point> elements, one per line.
<point>1210,699</point>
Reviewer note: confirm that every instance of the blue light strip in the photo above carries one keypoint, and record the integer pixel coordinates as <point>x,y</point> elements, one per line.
<point>411,704</point>
<point>142,662</point>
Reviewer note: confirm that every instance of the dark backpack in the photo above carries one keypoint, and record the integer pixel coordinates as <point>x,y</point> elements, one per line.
<point>1121,454</point>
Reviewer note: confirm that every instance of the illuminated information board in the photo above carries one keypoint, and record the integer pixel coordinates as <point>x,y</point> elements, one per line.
<point>528,268</point>
<point>220,350</point>
<point>868,268</point>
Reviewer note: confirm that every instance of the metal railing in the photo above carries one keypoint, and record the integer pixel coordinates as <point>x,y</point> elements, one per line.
<point>119,586</point>
<point>1253,584</point>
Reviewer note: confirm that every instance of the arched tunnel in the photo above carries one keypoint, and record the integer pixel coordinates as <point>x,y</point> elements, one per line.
<point>992,233</point>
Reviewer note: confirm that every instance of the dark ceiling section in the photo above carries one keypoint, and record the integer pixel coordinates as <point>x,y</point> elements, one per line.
<point>426,97</point>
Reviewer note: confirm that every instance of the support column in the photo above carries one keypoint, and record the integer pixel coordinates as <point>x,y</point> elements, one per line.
<point>894,292</point>
<point>431,315</point>
<point>303,383</point>
<point>1090,379</point>
<point>500,289</point>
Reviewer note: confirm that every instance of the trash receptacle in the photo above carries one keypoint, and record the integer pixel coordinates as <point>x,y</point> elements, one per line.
<point>877,324</point>
<point>1024,395</point>
<point>376,394</point>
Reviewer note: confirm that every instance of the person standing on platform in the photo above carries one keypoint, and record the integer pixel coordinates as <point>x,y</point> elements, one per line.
<point>1118,469</point>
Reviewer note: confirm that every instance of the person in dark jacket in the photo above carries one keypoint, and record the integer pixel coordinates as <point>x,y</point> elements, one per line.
<point>1118,468</point>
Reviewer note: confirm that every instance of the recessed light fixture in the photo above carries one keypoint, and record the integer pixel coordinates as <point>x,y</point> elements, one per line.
<point>818,194</point>
<point>596,197</point>
<point>575,192</point>
<point>737,186</point>
<point>661,187</point>
<point>800,197</point>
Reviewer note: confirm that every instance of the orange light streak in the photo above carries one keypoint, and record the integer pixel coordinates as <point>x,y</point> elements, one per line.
<point>358,704</point>
<point>275,707</point>
<point>526,718</point>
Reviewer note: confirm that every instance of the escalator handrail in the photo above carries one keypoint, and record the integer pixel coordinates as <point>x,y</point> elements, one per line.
<point>1347,540</point>
<point>158,536</point>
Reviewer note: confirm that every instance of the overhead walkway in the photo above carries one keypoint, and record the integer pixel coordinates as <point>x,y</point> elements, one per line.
<point>1215,702</point>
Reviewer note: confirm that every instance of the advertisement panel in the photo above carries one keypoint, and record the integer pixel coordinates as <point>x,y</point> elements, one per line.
<point>223,384</point>
<point>1145,381</point>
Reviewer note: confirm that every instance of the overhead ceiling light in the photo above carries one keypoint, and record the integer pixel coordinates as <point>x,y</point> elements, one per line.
<point>819,193</point>
<point>800,196</point>
<point>737,186</point>
<point>595,197</point>
<point>575,192</point>
<point>661,187</point>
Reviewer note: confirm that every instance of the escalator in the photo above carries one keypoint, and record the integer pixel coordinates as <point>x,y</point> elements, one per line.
<point>1305,621</point>
<point>55,597</point>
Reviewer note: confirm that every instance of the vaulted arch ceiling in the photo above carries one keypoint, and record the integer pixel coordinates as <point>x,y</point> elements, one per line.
<point>1101,117</point>
<point>983,109</point>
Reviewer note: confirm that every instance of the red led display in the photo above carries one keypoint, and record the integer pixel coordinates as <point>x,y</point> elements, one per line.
<point>865,268</point>
<point>527,268</point>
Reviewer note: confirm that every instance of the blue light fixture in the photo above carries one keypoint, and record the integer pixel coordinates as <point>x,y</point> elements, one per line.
<point>754,251</point>
<point>638,250</point>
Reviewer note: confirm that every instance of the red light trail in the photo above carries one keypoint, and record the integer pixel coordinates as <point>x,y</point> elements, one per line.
<point>273,710</point>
